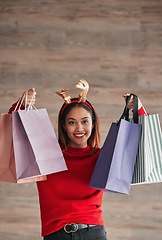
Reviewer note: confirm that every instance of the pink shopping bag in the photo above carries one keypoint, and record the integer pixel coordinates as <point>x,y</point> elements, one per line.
<point>7,159</point>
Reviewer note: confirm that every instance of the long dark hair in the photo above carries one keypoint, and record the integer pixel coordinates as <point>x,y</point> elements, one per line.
<point>94,139</point>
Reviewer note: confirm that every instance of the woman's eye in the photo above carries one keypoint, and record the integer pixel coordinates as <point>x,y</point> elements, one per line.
<point>71,122</point>
<point>85,121</point>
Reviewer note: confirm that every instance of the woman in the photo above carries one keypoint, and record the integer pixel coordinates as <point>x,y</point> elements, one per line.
<point>70,209</point>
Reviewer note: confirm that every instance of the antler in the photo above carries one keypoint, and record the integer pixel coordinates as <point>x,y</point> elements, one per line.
<point>67,98</point>
<point>84,86</point>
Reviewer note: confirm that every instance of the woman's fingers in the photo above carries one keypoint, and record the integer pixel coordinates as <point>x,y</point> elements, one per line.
<point>30,98</point>
<point>31,91</point>
<point>131,101</point>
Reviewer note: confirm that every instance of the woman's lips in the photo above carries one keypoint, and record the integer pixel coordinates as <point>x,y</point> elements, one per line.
<point>79,135</point>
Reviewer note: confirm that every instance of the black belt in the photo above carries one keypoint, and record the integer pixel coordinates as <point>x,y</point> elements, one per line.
<point>73,227</point>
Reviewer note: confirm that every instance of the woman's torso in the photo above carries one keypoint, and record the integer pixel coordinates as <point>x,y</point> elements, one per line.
<point>65,197</point>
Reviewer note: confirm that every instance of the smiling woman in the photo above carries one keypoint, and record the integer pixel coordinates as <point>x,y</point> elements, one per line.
<point>70,209</point>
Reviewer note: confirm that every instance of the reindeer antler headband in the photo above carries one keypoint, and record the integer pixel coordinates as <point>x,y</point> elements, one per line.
<point>84,86</point>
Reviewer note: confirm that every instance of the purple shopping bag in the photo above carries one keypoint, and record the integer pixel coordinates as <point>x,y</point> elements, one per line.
<point>37,151</point>
<point>115,165</point>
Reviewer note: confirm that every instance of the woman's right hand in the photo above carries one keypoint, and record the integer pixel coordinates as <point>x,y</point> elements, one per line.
<point>29,97</point>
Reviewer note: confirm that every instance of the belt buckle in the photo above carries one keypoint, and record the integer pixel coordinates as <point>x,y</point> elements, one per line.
<point>76,228</point>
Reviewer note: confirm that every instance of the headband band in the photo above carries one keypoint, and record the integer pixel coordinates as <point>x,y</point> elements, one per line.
<point>75,101</point>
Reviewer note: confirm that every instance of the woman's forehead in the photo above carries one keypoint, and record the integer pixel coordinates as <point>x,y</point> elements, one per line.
<point>78,113</point>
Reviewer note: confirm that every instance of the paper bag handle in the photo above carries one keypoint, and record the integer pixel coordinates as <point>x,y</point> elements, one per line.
<point>125,114</point>
<point>20,101</point>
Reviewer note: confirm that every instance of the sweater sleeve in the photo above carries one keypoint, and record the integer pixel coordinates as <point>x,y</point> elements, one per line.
<point>13,107</point>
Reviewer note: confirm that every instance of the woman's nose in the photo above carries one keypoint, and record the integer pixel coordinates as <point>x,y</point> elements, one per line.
<point>79,127</point>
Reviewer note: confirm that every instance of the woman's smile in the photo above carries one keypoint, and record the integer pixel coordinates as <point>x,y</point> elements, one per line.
<point>79,135</point>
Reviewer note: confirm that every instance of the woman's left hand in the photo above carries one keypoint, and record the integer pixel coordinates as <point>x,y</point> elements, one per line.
<point>131,101</point>
<point>30,97</point>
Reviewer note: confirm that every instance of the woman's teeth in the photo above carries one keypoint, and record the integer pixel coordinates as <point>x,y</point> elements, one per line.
<point>79,135</point>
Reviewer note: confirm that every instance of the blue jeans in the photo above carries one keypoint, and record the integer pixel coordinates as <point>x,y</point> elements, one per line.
<point>92,233</point>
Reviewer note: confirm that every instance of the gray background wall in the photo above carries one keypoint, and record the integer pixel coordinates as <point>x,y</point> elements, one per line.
<point>116,45</point>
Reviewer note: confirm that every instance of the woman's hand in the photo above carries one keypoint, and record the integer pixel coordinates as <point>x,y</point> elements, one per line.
<point>31,95</point>
<point>131,101</point>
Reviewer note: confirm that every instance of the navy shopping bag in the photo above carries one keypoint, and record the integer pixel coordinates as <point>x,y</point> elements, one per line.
<point>115,165</point>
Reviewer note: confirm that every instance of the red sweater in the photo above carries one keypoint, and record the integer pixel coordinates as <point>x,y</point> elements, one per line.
<point>13,107</point>
<point>66,198</point>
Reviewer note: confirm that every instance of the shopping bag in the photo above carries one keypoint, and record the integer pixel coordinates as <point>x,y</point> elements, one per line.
<point>37,151</point>
<point>148,166</point>
<point>115,165</point>
<point>7,160</point>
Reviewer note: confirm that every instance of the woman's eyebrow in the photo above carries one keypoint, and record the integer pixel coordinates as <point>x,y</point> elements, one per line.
<point>85,117</point>
<point>75,119</point>
<point>71,118</point>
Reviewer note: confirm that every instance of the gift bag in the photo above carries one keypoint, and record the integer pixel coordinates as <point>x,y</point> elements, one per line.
<point>7,160</point>
<point>37,151</point>
<point>115,165</point>
<point>148,166</point>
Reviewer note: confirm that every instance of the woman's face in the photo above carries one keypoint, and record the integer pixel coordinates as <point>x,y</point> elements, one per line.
<point>78,125</point>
